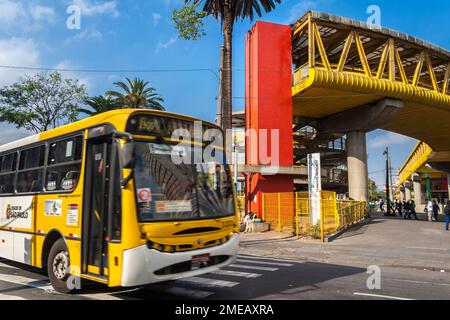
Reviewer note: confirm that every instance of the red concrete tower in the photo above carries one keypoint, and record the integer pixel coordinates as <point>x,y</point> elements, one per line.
<point>268,106</point>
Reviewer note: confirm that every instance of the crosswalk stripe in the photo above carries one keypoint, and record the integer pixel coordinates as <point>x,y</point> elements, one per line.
<point>266,263</point>
<point>28,282</point>
<point>100,296</point>
<point>242,266</point>
<point>210,282</point>
<point>237,274</point>
<point>189,293</point>
<point>269,259</point>
<point>4,297</point>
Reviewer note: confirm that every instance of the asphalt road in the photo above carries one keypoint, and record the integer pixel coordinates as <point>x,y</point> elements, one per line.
<point>251,277</point>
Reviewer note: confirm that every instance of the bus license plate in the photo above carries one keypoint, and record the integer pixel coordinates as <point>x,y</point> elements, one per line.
<point>200,261</point>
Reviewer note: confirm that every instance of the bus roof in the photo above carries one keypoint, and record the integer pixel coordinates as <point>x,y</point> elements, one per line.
<point>105,117</point>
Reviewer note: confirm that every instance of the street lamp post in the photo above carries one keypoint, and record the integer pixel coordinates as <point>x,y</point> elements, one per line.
<point>388,198</point>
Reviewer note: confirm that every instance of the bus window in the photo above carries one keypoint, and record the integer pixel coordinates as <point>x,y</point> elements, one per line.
<point>65,151</point>
<point>8,163</point>
<point>29,181</point>
<point>64,165</point>
<point>62,178</point>
<point>31,161</point>
<point>7,183</point>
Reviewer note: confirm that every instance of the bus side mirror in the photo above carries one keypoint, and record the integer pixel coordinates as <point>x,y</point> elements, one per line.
<point>128,155</point>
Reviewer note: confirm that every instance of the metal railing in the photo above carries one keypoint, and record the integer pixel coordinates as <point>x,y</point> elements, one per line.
<point>290,212</point>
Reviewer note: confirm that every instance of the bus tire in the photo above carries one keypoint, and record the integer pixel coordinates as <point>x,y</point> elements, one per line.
<point>58,267</point>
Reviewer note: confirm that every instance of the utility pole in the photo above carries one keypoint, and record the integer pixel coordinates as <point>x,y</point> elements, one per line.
<point>388,200</point>
<point>220,97</point>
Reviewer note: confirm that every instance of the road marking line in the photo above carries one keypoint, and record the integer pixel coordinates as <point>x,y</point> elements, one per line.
<point>269,259</point>
<point>101,296</point>
<point>428,248</point>
<point>420,282</point>
<point>197,294</point>
<point>5,266</point>
<point>210,282</point>
<point>242,266</point>
<point>381,296</point>
<point>237,274</point>
<point>266,263</point>
<point>4,297</point>
<point>28,282</point>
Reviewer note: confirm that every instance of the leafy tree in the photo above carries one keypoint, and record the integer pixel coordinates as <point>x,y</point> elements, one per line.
<point>136,94</point>
<point>99,105</point>
<point>189,22</point>
<point>41,102</point>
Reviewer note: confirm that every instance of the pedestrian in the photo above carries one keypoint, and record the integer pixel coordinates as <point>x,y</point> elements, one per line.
<point>447,215</point>
<point>382,206</point>
<point>436,211</point>
<point>400,208</point>
<point>430,211</point>
<point>406,207</point>
<point>412,209</point>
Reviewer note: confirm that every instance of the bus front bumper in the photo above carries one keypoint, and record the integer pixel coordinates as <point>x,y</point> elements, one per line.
<point>142,265</point>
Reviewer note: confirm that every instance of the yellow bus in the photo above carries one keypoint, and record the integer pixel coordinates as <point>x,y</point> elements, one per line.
<point>102,199</point>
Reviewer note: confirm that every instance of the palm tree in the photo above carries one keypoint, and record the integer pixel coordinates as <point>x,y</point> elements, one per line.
<point>136,94</point>
<point>229,11</point>
<point>98,105</point>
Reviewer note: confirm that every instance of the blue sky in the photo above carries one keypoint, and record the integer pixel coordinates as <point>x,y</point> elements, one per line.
<point>135,34</point>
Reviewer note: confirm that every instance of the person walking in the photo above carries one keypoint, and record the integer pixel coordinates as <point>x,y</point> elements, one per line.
<point>436,211</point>
<point>430,211</point>
<point>406,208</point>
<point>382,206</point>
<point>447,215</point>
<point>400,208</point>
<point>412,209</point>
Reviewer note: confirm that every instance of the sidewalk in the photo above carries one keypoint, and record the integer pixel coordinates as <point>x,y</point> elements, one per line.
<point>380,241</point>
<point>264,237</point>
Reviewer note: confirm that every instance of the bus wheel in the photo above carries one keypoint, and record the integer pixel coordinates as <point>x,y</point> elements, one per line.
<point>58,267</point>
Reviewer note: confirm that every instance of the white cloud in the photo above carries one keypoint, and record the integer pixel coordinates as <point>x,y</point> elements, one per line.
<point>10,133</point>
<point>300,9</point>
<point>93,8</point>
<point>164,45</point>
<point>389,139</point>
<point>156,18</point>
<point>68,65</point>
<point>17,52</point>
<point>43,13</point>
<point>10,12</point>
<point>14,14</point>
<point>85,34</point>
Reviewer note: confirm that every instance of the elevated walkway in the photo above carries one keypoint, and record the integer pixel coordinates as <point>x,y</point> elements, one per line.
<point>344,64</point>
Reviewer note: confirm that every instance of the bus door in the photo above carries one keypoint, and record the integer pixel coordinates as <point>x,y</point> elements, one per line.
<point>95,213</point>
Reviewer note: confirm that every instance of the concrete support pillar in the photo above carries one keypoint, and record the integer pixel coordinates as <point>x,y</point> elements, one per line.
<point>448,184</point>
<point>357,165</point>
<point>403,193</point>
<point>407,193</point>
<point>417,190</point>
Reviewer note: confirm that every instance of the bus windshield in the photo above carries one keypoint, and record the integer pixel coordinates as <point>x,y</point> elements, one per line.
<point>167,191</point>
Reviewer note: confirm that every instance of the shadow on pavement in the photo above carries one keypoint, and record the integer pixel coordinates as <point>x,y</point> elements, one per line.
<point>359,229</point>
<point>284,283</point>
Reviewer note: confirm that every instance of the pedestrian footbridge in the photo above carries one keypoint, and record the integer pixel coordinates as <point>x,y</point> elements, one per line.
<point>342,64</point>
<point>349,78</point>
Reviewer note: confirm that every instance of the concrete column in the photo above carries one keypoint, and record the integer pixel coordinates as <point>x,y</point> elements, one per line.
<point>417,190</point>
<point>357,166</point>
<point>407,193</point>
<point>448,184</point>
<point>402,193</point>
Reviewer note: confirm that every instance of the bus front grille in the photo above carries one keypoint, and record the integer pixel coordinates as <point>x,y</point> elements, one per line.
<point>187,266</point>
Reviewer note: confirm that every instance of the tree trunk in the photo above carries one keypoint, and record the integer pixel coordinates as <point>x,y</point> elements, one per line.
<point>227,109</point>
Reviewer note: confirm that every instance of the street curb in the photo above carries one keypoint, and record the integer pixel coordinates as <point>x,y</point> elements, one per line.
<point>267,240</point>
